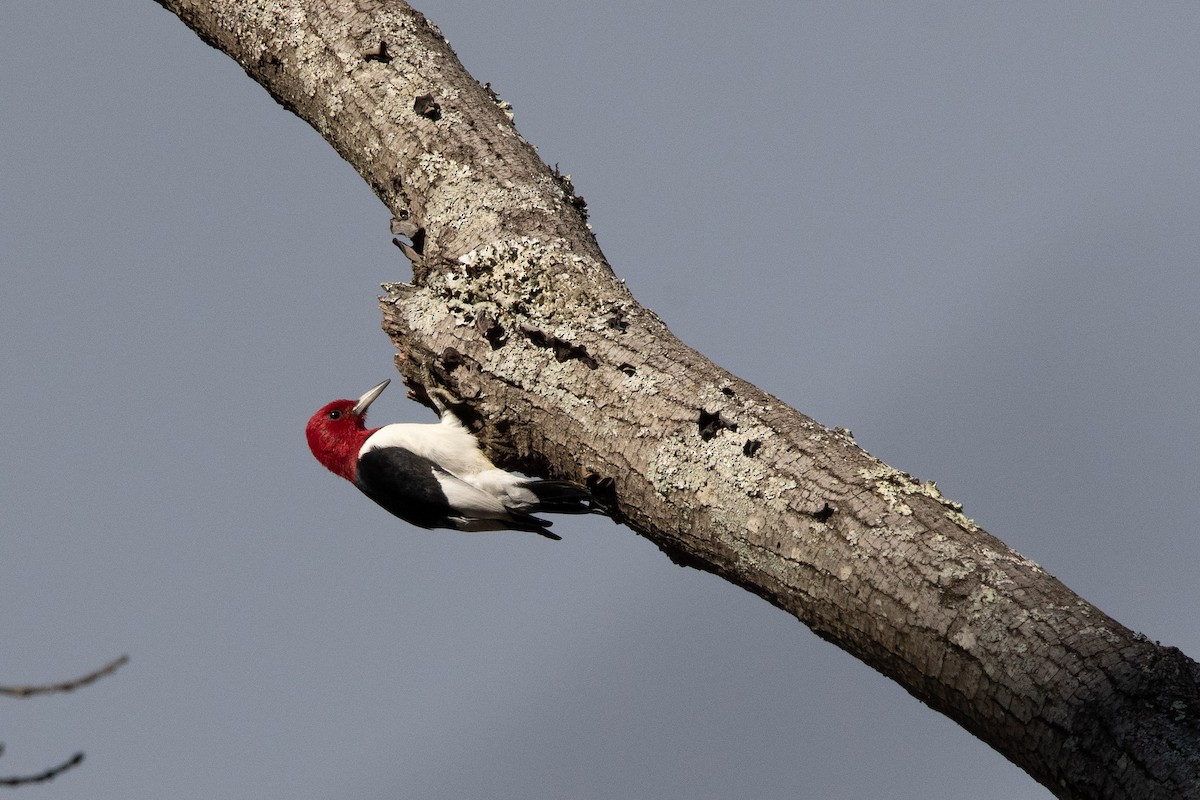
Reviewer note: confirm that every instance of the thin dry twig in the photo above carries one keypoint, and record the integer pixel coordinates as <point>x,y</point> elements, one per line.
<point>42,777</point>
<point>65,686</point>
<point>54,688</point>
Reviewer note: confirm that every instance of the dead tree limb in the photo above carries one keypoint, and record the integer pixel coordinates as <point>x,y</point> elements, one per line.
<point>514,309</point>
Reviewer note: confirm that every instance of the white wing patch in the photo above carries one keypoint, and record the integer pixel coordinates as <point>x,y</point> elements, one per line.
<point>509,488</point>
<point>474,484</point>
<point>469,501</point>
<point>447,444</point>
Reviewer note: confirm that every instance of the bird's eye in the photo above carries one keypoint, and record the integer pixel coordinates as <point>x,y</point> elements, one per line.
<point>335,414</point>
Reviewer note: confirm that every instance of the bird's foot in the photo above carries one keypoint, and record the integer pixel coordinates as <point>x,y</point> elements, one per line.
<point>442,399</point>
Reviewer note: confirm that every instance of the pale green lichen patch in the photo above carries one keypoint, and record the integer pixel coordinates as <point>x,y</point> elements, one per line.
<point>962,520</point>
<point>525,276</point>
<point>333,104</point>
<point>717,473</point>
<point>985,596</point>
<point>894,486</point>
<point>1103,632</point>
<point>819,434</point>
<point>436,165</point>
<point>642,383</point>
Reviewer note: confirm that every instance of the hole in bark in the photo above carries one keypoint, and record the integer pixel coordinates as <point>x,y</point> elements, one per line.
<point>824,512</point>
<point>427,107</point>
<point>563,350</point>
<point>616,322</point>
<point>491,330</point>
<point>751,447</point>
<point>418,241</point>
<point>628,369</point>
<point>378,52</point>
<point>711,424</point>
<point>452,359</point>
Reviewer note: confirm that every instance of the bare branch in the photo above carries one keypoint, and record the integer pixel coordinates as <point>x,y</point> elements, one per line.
<point>55,688</point>
<point>42,777</point>
<point>65,686</point>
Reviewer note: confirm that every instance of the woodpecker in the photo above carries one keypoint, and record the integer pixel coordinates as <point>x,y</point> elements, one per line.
<point>434,475</point>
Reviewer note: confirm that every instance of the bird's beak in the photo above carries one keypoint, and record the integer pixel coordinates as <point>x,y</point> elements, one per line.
<point>365,401</point>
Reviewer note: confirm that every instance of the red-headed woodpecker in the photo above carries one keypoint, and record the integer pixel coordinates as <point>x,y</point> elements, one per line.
<point>434,475</point>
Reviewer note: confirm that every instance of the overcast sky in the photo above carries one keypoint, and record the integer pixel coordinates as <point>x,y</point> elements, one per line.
<point>966,232</point>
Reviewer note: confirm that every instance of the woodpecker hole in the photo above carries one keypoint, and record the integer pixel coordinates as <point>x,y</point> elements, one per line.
<point>452,359</point>
<point>710,424</point>
<point>418,241</point>
<point>377,52</point>
<point>427,107</point>
<point>628,369</point>
<point>823,513</point>
<point>616,322</point>
<point>563,350</point>
<point>491,330</point>
<point>725,390</point>
<point>750,448</point>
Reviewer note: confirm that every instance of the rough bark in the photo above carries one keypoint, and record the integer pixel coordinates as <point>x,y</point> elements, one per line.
<point>514,310</point>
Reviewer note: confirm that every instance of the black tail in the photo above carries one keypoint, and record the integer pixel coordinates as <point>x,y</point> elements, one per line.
<point>561,497</point>
<point>520,521</point>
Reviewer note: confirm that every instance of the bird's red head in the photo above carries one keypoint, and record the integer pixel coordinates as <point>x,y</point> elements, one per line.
<point>336,433</point>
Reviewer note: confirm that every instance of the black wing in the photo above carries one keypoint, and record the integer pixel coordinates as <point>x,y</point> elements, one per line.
<point>414,489</point>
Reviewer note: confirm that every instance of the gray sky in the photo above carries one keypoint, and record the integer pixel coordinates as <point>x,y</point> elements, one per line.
<point>968,233</point>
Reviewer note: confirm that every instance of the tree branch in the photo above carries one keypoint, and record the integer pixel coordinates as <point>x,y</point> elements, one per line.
<point>42,777</point>
<point>55,688</point>
<point>65,686</point>
<point>514,309</point>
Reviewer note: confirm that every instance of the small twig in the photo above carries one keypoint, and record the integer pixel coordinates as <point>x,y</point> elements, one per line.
<point>53,688</point>
<point>42,777</point>
<point>65,686</point>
